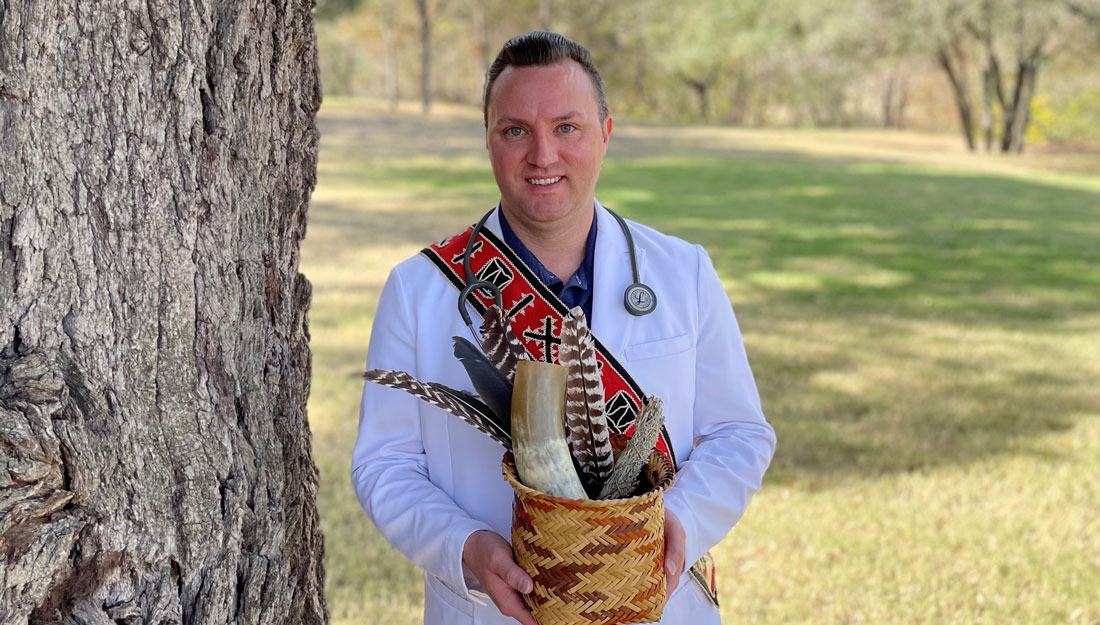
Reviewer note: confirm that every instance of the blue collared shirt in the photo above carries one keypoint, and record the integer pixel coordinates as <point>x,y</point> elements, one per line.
<point>577,290</point>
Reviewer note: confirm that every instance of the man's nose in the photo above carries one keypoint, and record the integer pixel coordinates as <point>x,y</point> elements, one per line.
<point>542,152</point>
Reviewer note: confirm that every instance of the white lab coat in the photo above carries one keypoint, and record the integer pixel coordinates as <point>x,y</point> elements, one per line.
<point>428,480</point>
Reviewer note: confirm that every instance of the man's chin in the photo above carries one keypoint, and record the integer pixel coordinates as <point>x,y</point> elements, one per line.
<point>542,213</point>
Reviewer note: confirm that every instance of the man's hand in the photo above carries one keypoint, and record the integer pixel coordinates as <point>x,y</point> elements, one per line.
<point>489,557</point>
<point>675,541</point>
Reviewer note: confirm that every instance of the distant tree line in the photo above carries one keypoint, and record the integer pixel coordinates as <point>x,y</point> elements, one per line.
<point>1003,72</point>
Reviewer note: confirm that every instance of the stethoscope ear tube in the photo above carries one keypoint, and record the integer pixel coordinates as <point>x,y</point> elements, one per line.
<point>464,295</point>
<point>473,283</point>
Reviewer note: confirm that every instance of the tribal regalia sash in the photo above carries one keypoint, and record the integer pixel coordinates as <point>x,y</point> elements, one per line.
<point>536,315</point>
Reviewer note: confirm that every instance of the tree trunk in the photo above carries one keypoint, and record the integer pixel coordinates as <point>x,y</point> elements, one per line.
<point>1088,12</point>
<point>701,88</point>
<point>987,107</point>
<point>1017,115</point>
<point>1016,133</point>
<point>481,25</point>
<point>702,92</point>
<point>962,97</point>
<point>425,55</point>
<point>389,36</point>
<point>888,102</point>
<point>155,173</point>
<point>742,92</point>
<point>903,102</point>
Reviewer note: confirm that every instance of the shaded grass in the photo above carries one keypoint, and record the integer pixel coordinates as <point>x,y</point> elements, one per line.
<point>924,341</point>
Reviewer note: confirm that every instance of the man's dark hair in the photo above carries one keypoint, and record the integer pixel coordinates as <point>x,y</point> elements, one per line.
<point>542,48</point>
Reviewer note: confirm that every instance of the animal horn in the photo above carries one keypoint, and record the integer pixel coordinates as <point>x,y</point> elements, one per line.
<point>538,434</point>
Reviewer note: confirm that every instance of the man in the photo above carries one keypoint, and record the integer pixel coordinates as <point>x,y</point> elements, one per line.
<point>431,483</point>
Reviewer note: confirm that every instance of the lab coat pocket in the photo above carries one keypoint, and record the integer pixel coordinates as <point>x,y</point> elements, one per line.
<point>666,368</point>
<point>659,348</point>
<point>443,607</point>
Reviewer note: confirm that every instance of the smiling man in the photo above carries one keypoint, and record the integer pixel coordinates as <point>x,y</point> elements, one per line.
<point>432,484</point>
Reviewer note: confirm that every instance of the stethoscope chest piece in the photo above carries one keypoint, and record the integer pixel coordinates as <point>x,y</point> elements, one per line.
<point>639,299</point>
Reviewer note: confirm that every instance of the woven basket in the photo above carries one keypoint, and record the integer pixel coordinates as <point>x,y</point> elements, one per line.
<point>592,561</point>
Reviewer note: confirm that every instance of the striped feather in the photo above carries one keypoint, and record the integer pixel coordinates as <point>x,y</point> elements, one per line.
<point>585,421</point>
<point>627,473</point>
<point>499,342</point>
<point>459,403</point>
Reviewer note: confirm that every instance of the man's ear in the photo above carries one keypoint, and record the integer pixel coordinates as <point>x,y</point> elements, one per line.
<point>606,127</point>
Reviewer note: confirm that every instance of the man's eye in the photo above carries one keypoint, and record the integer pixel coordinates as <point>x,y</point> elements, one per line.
<point>567,128</point>
<point>513,131</point>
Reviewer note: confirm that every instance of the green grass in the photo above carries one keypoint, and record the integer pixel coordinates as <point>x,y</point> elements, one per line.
<point>924,339</point>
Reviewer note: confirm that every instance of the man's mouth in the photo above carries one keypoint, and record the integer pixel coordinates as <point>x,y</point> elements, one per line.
<point>543,181</point>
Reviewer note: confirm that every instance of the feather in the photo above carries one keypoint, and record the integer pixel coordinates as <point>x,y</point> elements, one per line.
<point>501,346</point>
<point>492,387</point>
<point>585,421</point>
<point>459,403</point>
<point>627,472</point>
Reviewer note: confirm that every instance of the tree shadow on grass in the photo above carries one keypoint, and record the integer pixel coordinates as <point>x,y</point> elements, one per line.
<point>897,318</point>
<point>963,299</point>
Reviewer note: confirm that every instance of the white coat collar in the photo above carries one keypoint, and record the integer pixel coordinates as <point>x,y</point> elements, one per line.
<point>612,275</point>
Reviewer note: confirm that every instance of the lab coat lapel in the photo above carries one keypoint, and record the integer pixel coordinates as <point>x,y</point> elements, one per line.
<point>611,322</point>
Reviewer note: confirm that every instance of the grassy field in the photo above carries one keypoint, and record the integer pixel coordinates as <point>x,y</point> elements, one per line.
<point>922,324</point>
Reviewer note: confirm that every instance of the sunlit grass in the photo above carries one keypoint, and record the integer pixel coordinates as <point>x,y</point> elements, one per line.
<point>924,339</point>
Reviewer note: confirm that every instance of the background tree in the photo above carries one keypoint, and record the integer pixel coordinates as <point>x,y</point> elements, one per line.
<point>1088,12</point>
<point>156,168</point>
<point>920,65</point>
<point>424,10</point>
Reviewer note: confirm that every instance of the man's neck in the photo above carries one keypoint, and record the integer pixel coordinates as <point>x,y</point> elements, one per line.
<point>559,246</point>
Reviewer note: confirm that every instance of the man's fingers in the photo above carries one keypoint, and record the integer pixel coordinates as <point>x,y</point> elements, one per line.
<point>508,601</point>
<point>506,568</point>
<point>672,578</point>
<point>519,579</point>
<point>675,540</point>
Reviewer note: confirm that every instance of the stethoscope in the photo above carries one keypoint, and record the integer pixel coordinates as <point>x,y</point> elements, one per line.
<point>638,299</point>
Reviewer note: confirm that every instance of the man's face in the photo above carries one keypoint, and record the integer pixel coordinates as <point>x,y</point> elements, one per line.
<point>546,142</point>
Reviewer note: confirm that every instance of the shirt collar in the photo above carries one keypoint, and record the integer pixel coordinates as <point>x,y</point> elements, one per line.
<point>581,279</point>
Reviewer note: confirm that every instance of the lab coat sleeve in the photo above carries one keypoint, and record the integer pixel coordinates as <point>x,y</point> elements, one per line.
<point>733,443</point>
<point>389,467</point>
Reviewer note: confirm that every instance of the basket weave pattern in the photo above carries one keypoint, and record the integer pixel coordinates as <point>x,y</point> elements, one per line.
<point>592,561</point>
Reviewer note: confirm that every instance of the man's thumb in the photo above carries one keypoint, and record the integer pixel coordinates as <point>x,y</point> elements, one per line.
<point>519,579</point>
<point>673,557</point>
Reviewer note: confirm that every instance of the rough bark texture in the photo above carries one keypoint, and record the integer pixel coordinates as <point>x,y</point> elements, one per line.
<point>156,161</point>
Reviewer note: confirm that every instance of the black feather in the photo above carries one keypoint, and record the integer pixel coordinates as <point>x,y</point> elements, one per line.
<point>491,385</point>
<point>459,403</point>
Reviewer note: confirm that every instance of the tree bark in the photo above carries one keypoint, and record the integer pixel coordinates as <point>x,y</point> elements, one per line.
<point>156,165</point>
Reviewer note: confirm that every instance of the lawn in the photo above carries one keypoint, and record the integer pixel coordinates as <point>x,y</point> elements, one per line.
<point>922,324</point>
